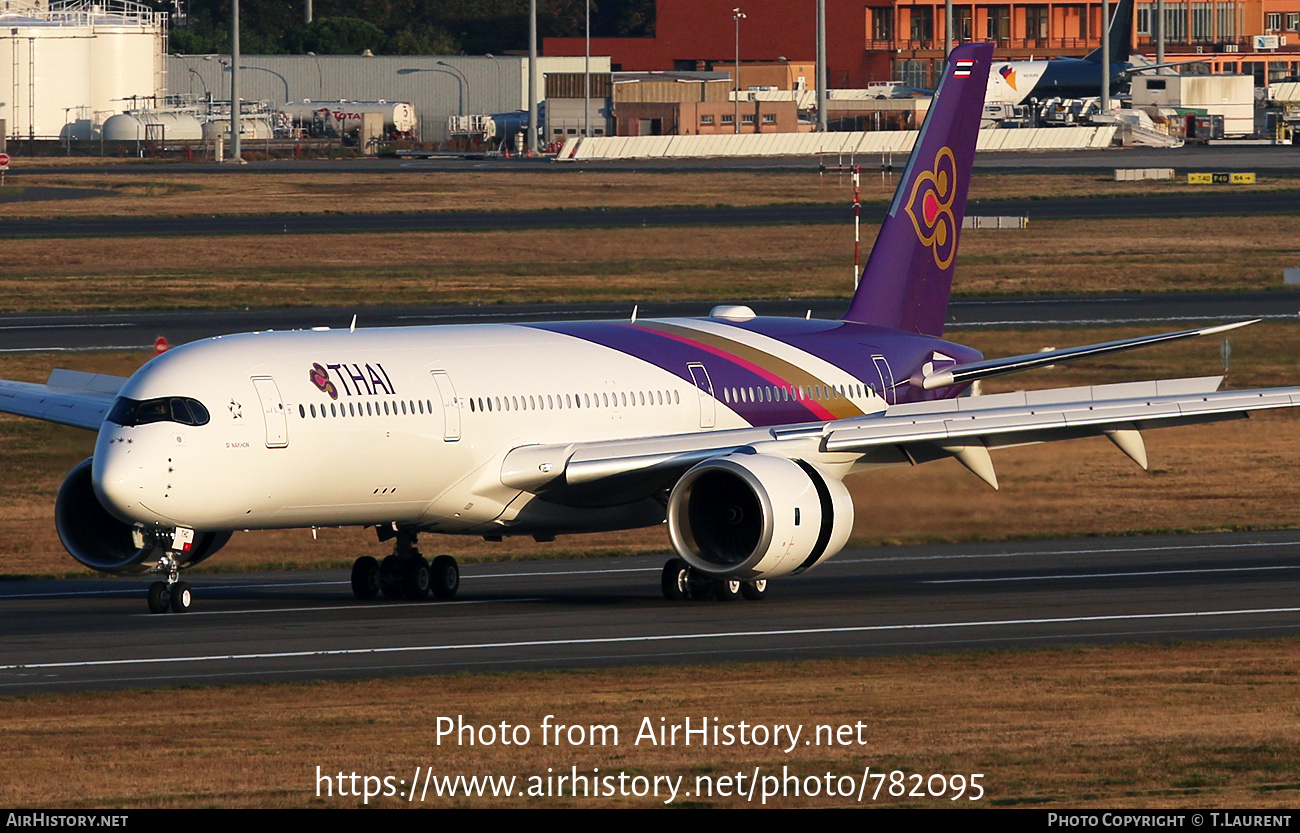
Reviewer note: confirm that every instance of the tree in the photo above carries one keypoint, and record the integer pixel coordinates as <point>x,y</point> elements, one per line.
<point>406,27</point>
<point>335,36</point>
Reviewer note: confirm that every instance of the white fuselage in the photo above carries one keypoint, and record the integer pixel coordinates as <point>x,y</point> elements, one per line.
<point>406,426</point>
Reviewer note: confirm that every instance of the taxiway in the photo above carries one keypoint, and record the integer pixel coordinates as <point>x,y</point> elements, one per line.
<point>74,635</point>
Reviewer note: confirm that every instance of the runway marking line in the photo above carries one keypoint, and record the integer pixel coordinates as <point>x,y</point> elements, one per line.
<point>1107,575</point>
<point>130,591</point>
<point>614,640</point>
<point>1098,551</point>
<point>389,605</point>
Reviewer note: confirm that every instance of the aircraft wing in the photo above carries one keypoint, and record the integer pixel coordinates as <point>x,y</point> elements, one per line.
<point>69,397</point>
<point>966,373</point>
<point>1138,69</point>
<point>964,428</point>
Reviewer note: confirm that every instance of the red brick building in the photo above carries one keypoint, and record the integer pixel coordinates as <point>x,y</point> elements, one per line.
<point>881,40</point>
<point>657,104</point>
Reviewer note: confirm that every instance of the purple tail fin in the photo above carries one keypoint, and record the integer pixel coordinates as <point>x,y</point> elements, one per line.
<point>908,277</point>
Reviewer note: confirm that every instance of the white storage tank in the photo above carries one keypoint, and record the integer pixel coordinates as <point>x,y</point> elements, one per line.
<point>342,116</point>
<point>251,127</point>
<point>127,57</point>
<point>69,66</point>
<point>169,126</point>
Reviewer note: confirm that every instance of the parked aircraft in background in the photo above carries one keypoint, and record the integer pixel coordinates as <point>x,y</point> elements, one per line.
<point>1015,82</point>
<point>736,430</point>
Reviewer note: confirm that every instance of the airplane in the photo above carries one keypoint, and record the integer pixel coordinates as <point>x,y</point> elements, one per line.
<point>736,430</point>
<point>1015,82</point>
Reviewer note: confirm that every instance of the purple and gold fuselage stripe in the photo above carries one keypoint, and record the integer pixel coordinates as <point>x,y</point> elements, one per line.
<point>775,370</point>
<point>673,354</point>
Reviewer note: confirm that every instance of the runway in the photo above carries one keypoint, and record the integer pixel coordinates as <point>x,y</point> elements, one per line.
<point>1182,205</point>
<point>74,635</point>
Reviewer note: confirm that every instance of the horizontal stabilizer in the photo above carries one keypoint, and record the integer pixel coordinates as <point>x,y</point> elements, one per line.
<point>967,373</point>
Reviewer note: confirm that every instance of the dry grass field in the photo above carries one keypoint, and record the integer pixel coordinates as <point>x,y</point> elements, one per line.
<point>151,190</point>
<point>626,265</point>
<point>1191,725</point>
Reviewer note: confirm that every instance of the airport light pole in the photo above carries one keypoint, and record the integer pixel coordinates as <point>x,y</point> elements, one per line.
<point>586,76</point>
<point>235,150</point>
<point>947,28</point>
<point>283,80</point>
<point>460,76</point>
<point>460,84</point>
<point>500,83</point>
<point>821,66</point>
<point>1160,31</point>
<point>737,15</point>
<point>320,77</point>
<point>197,75</point>
<point>1105,55</point>
<point>532,77</point>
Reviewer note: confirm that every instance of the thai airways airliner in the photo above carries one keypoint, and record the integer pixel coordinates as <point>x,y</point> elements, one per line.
<point>735,430</point>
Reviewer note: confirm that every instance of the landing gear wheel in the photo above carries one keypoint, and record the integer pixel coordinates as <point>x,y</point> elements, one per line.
<point>754,590</point>
<point>698,585</point>
<point>444,577</point>
<point>159,597</point>
<point>680,581</point>
<point>365,578</point>
<point>674,580</point>
<point>182,597</point>
<point>390,577</point>
<point>727,589</point>
<point>415,579</point>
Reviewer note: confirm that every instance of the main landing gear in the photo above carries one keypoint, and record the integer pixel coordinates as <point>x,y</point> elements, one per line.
<point>405,574</point>
<point>680,582</point>
<point>173,594</point>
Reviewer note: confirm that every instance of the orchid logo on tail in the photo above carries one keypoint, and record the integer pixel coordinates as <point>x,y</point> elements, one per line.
<point>930,207</point>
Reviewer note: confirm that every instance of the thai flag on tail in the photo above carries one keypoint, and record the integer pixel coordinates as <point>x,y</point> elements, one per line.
<point>963,68</point>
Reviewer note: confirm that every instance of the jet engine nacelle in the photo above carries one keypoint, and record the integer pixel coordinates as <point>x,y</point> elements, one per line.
<point>102,542</point>
<point>758,516</point>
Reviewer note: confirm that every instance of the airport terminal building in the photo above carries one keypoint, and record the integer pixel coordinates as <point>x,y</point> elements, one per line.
<point>883,40</point>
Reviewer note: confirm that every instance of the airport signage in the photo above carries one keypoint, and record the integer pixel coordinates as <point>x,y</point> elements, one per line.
<point>1221,179</point>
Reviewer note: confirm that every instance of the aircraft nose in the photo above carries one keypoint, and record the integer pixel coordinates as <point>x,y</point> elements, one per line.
<point>118,476</point>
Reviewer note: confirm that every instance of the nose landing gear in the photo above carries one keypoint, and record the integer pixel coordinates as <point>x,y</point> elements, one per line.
<point>173,594</point>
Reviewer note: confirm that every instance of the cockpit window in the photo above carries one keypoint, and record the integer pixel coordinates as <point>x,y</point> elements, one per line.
<point>180,409</point>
